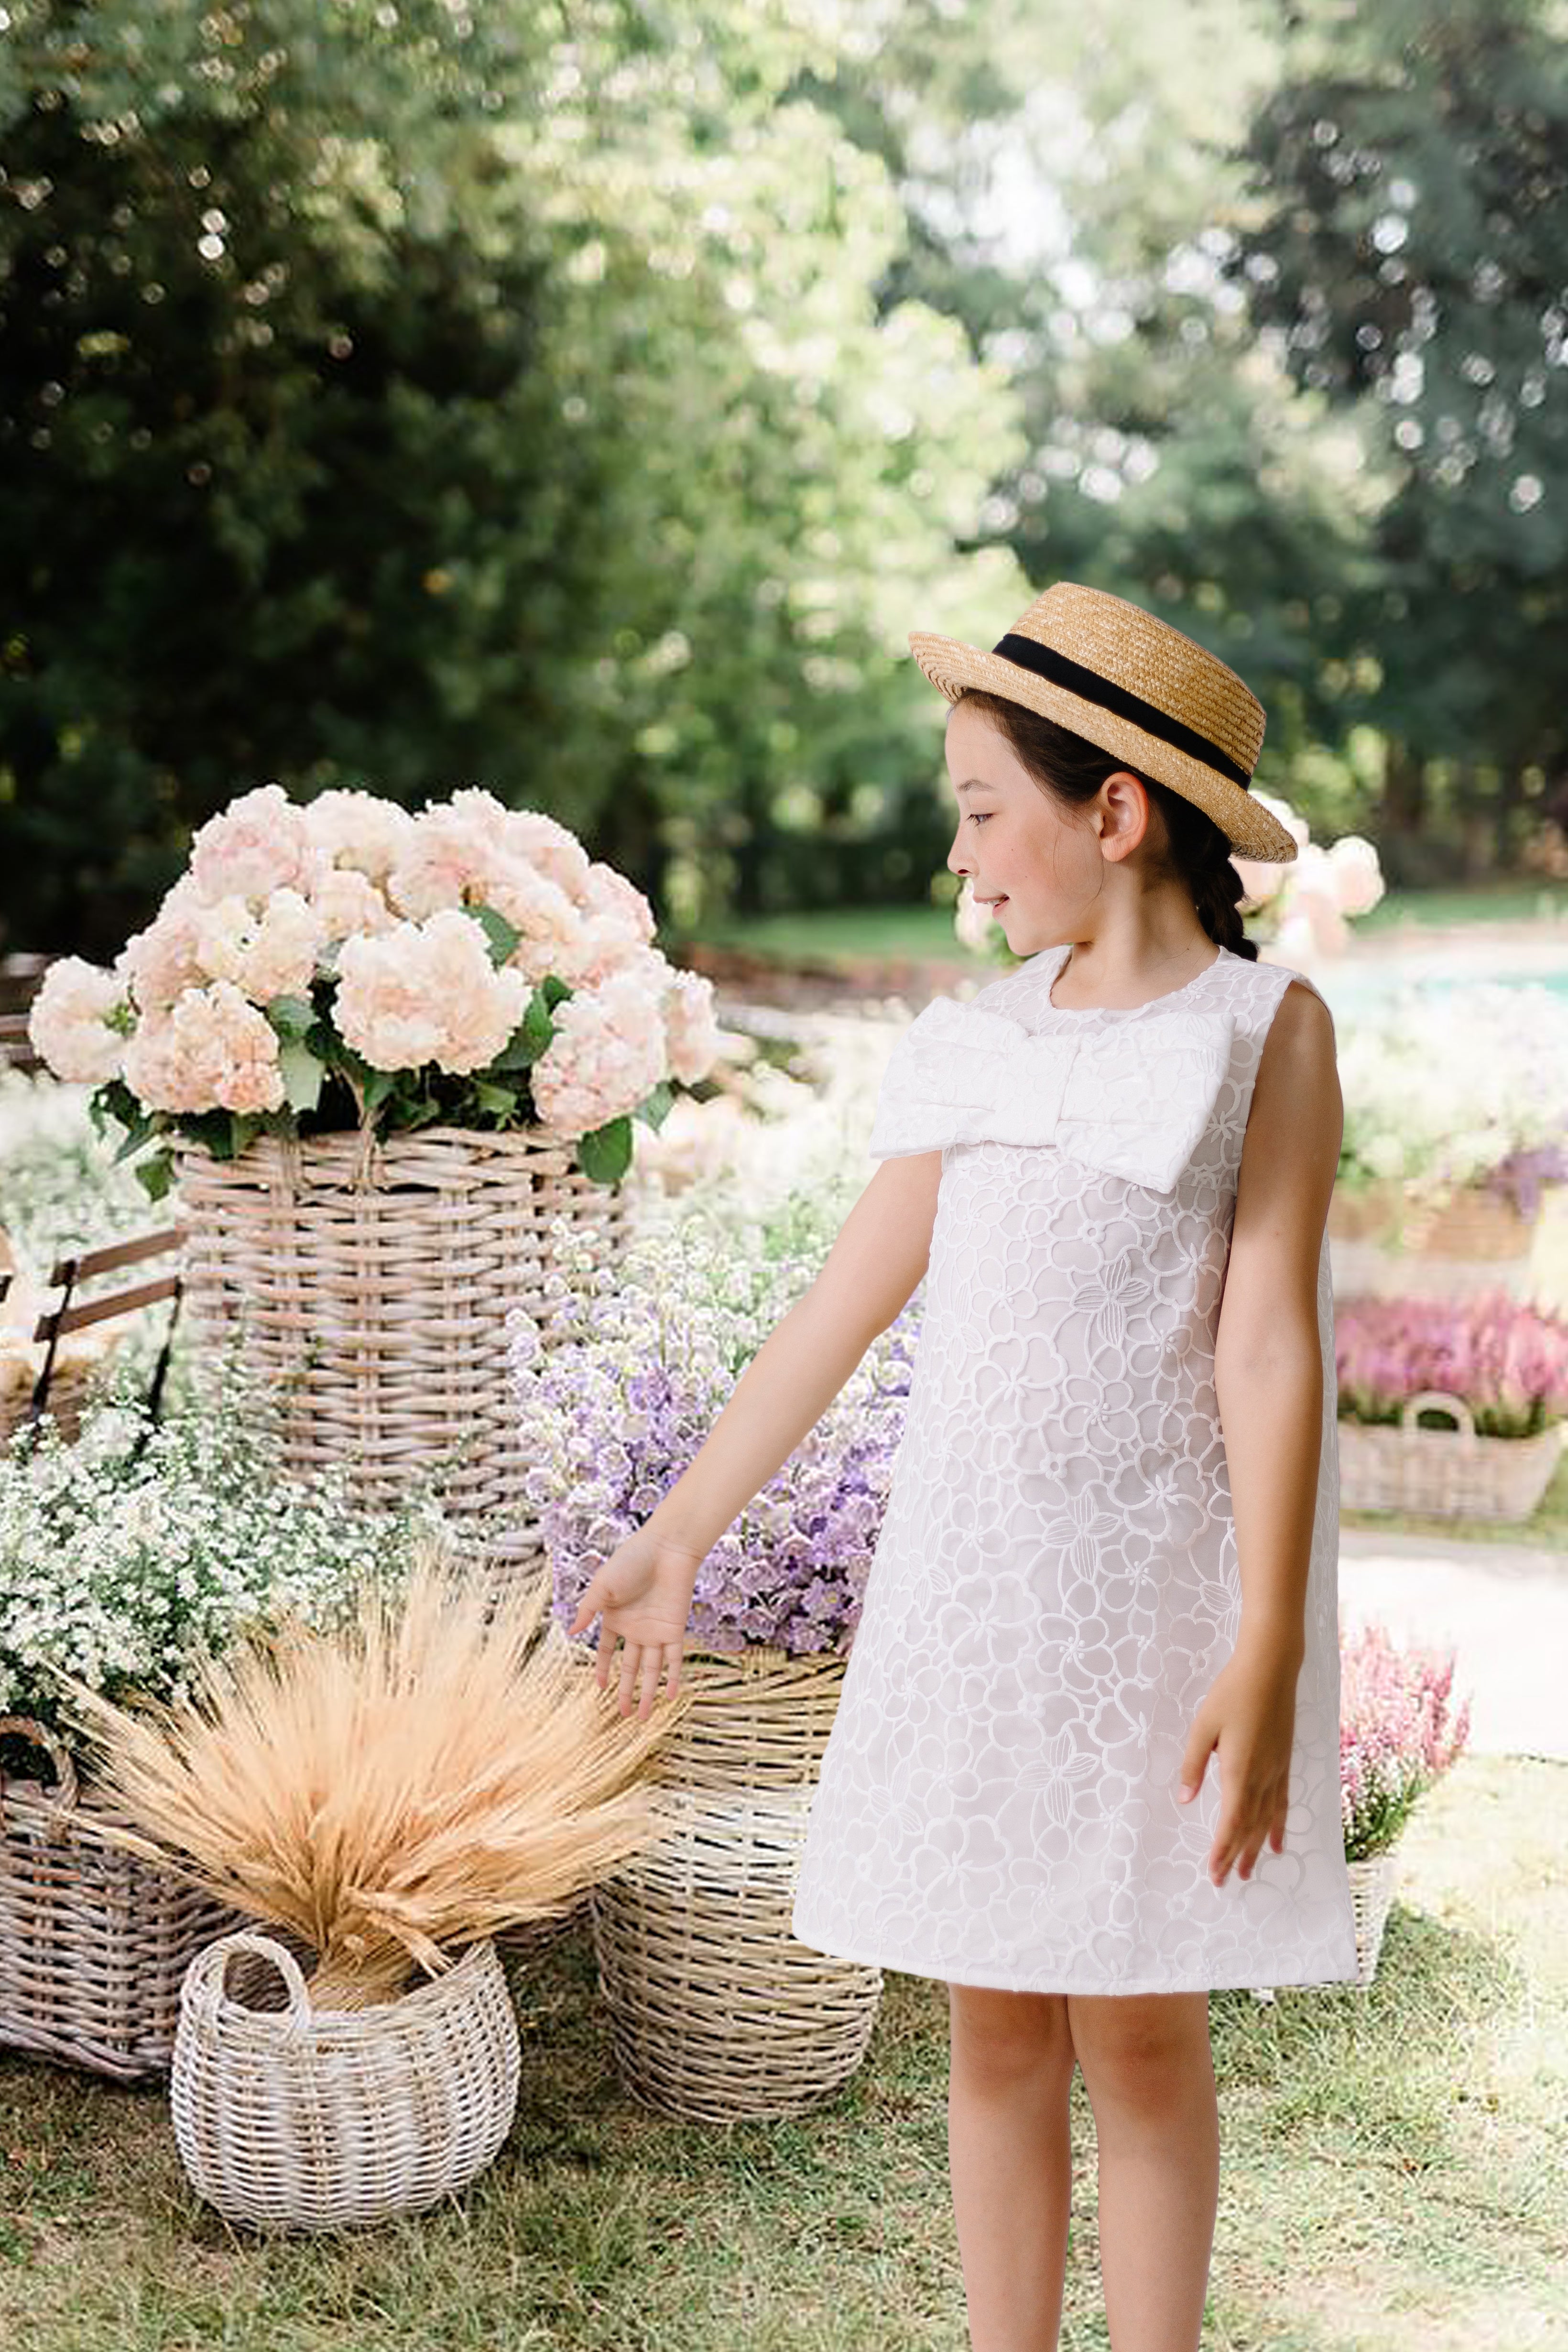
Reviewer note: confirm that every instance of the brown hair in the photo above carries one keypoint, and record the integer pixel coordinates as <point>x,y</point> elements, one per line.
<point>1197,851</point>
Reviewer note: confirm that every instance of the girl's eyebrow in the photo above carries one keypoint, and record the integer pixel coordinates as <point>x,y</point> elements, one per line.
<point>975,784</point>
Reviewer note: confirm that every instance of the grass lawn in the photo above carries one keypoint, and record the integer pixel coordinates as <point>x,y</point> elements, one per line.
<point>848,934</point>
<point>1393,2175</point>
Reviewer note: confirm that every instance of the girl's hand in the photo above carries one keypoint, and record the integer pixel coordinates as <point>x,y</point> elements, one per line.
<point>642,1597</point>
<point>1248,1717</point>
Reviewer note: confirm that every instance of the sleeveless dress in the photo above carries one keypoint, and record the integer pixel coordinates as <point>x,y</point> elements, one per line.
<point>1055,1584</point>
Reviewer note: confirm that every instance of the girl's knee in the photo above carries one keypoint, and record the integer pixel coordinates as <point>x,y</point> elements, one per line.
<point>1010,2032</point>
<point>1141,2049</point>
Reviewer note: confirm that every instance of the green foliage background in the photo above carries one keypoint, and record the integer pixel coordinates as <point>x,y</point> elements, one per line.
<point>587,404</point>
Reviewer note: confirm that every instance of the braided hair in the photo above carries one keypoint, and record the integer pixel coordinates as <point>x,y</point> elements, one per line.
<point>1197,851</point>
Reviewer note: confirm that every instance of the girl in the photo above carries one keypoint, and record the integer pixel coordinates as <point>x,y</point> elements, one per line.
<point>1110,1551</point>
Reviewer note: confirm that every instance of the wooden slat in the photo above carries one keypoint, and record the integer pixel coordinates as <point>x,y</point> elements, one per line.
<point>98,1311</point>
<point>113,1253</point>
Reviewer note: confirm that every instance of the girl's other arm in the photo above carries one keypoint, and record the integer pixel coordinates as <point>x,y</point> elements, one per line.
<point>1269,1376</point>
<point>642,1593</point>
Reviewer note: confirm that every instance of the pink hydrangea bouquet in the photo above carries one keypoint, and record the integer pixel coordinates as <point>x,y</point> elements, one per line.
<point>1506,1360</point>
<point>346,962</point>
<point>1399,1732</point>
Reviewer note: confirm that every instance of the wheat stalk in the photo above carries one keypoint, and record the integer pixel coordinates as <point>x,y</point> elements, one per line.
<point>423,1775</point>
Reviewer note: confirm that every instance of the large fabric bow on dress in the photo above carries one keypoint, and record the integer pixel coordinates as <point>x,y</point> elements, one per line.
<point>1132,1100</point>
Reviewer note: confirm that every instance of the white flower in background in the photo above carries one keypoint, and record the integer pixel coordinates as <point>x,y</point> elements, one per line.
<point>975,925</point>
<point>690,1026</point>
<point>1358,872</point>
<point>212,1049</point>
<point>1440,1089</point>
<point>427,993</point>
<point>67,1020</point>
<point>606,1056</point>
<point>259,844</point>
<point>360,832</point>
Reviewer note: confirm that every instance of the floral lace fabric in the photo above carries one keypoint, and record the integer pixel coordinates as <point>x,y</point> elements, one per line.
<point>1055,1584</point>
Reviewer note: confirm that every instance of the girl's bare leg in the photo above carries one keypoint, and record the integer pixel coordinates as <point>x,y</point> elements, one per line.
<point>1149,2070</point>
<point>1008,2147</point>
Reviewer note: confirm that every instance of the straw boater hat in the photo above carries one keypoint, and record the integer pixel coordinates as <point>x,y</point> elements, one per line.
<point>1133,686</point>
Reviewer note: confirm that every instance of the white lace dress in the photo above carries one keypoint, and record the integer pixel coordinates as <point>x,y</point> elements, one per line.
<point>1055,1584</point>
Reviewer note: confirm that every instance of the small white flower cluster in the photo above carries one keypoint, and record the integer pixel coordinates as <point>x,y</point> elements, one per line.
<point>1439,1090</point>
<point>119,1571</point>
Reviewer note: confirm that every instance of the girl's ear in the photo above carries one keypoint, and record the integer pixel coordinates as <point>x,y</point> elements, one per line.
<point>1121,813</point>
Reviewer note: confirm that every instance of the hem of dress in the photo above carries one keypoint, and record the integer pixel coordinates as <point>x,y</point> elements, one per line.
<point>994,1980</point>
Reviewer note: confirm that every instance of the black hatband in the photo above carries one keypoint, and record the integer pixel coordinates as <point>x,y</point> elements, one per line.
<point>1047,663</point>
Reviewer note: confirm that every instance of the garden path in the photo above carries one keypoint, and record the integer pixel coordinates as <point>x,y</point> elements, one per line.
<point>1503,1607</point>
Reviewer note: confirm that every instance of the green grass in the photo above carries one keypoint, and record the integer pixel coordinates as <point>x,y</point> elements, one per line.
<point>842,936</point>
<point>1394,2172</point>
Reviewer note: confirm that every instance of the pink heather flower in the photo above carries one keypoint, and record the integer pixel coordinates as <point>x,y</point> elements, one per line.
<point>692,1026</point>
<point>212,1050</point>
<point>67,1020</point>
<point>606,1056</point>
<point>608,892</point>
<point>347,901</point>
<point>161,962</point>
<point>427,993</point>
<point>360,832</point>
<point>259,844</point>
<point>1509,1361</point>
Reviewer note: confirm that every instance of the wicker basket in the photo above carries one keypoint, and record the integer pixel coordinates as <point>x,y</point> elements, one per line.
<point>716,2011</point>
<point>1383,1247</point>
<point>1372,1883</point>
<point>93,1941</point>
<point>374,1279</point>
<point>760,1719</point>
<point>324,2119</point>
<point>1445,1472</point>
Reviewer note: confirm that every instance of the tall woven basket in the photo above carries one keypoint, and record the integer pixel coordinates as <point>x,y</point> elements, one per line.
<point>760,1719</point>
<point>1381,1246</point>
<point>321,2119</point>
<point>372,1279</point>
<point>716,2011</point>
<point>94,1942</point>
<point>1445,1472</point>
<point>1373,1882</point>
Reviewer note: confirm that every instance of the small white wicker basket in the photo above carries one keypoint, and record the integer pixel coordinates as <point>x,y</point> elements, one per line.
<point>1446,1473</point>
<point>320,2119</point>
<point>1373,1882</point>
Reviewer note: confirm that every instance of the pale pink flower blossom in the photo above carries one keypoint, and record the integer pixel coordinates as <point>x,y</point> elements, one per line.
<point>427,993</point>
<point>450,857</point>
<point>606,1056</point>
<point>210,1050</point>
<point>610,892</point>
<point>361,833</point>
<point>280,959</point>
<point>544,843</point>
<point>538,908</point>
<point>67,1020</point>
<point>161,961</point>
<point>347,901</point>
<point>259,844</point>
<point>692,1026</point>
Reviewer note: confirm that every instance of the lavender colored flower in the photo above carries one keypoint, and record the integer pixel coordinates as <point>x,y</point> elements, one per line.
<point>1506,1360</point>
<point>616,1402</point>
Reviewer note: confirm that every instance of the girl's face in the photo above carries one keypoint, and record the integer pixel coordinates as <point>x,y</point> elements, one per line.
<point>1016,843</point>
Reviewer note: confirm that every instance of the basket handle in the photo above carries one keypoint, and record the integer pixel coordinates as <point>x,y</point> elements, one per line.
<point>67,1789</point>
<point>1443,1401</point>
<point>205,1984</point>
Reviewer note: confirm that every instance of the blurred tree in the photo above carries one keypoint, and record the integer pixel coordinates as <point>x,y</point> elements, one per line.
<point>410,398</point>
<point>1412,176</point>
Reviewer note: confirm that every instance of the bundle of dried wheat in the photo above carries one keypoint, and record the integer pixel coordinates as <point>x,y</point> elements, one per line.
<point>391,1790</point>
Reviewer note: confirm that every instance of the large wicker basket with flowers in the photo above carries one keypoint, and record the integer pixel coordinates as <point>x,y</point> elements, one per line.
<point>394,1062</point>
<point>1492,1372</point>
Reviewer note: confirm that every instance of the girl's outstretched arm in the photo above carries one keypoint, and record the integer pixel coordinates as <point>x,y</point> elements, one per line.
<point>643,1592</point>
<point>1269,1376</point>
